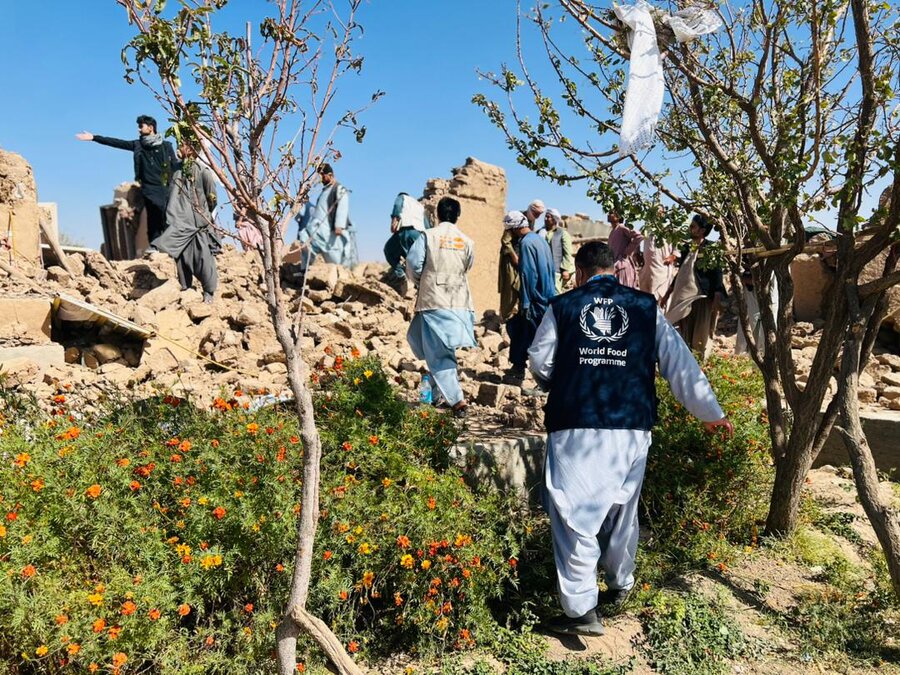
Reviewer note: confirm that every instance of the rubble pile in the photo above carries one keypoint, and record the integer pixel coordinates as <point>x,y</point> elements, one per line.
<point>204,350</point>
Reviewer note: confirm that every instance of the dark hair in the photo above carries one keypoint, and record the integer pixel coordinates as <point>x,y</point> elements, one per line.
<point>703,224</point>
<point>448,210</point>
<point>146,119</point>
<point>593,256</point>
<point>325,168</point>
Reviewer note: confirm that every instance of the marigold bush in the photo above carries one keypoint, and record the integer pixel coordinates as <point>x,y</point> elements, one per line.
<point>160,538</point>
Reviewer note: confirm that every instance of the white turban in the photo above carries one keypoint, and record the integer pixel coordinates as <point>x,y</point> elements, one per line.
<point>514,220</point>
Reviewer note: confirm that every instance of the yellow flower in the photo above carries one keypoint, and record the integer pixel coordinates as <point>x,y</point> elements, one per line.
<point>442,624</point>
<point>368,374</point>
<point>42,650</point>
<point>426,564</point>
<point>407,561</point>
<point>211,560</point>
<point>368,578</point>
<point>183,550</point>
<point>2,531</point>
<point>27,539</point>
<point>365,548</point>
<point>95,599</point>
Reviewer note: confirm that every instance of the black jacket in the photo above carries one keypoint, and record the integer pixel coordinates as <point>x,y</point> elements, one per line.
<point>153,167</point>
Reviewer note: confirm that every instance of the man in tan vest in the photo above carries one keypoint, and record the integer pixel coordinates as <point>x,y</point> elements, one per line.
<point>445,316</point>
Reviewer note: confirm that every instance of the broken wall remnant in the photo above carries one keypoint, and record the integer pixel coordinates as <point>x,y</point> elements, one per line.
<point>20,215</point>
<point>581,226</point>
<point>480,189</point>
<point>124,223</point>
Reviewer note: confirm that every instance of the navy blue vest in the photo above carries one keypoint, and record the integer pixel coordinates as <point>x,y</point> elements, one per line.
<point>605,364</point>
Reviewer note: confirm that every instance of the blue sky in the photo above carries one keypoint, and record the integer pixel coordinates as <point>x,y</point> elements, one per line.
<point>62,74</point>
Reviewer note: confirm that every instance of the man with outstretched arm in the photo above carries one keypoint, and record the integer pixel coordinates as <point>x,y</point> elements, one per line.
<point>154,165</point>
<point>597,349</point>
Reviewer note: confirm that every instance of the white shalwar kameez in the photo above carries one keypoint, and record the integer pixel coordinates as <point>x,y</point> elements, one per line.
<point>593,477</point>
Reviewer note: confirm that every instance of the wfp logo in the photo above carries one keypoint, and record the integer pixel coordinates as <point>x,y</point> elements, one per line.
<point>602,321</point>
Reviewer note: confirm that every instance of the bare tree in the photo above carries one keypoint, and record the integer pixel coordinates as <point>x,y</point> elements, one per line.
<point>788,113</point>
<point>262,104</point>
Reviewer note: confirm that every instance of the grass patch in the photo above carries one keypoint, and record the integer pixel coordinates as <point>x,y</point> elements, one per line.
<point>690,635</point>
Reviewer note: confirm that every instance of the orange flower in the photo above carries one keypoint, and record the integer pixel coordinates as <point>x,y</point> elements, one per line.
<point>209,641</point>
<point>29,571</point>
<point>22,459</point>
<point>353,646</point>
<point>354,353</point>
<point>93,668</point>
<point>123,462</point>
<point>373,440</point>
<point>327,555</point>
<point>37,484</point>
<point>343,595</point>
<point>175,459</point>
<point>61,619</point>
<point>128,608</point>
<point>114,632</point>
<point>279,568</point>
<point>214,442</point>
<point>219,512</point>
<point>119,659</point>
<point>426,564</point>
<point>513,562</point>
<point>301,668</point>
<point>42,650</point>
<point>368,579</point>
<point>346,445</point>
<point>73,648</point>
<point>93,491</point>
<point>431,503</point>
<point>11,516</point>
<point>252,428</point>
<point>186,502</point>
<point>248,608</point>
<point>184,609</point>
<point>398,599</point>
<point>134,485</point>
<point>59,398</point>
<point>99,625</point>
<point>282,454</point>
<point>185,446</point>
<point>154,614</point>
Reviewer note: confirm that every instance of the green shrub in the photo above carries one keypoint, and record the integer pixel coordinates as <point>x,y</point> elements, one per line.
<point>704,493</point>
<point>160,537</point>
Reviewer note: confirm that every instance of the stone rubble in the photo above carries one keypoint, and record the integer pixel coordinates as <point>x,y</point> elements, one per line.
<point>205,351</point>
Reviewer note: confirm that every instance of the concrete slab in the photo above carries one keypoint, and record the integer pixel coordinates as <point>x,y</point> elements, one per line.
<point>43,355</point>
<point>882,431</point>
<point>506,458</point>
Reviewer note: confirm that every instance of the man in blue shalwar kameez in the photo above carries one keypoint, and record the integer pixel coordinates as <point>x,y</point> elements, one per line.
<point>537,284</point>
<point>445,317</point>
<point>597,348</point>
<point>326,228</point>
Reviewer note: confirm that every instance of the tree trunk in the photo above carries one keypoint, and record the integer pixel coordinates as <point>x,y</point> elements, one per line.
<point>295,615</point>
<point>790,476</point>
<point>884,519</point>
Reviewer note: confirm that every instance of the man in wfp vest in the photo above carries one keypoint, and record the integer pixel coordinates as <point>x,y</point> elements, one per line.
<point>445,317</point>
<point>597,348</point>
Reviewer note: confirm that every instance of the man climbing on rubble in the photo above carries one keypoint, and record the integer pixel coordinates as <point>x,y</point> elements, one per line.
<point>408,222</point>
<point>190,238</point>
<point>154,165</point>
<point>597,349</point>
<point>445,316</point>
<point>326,228</point>
<point>537,284</point>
